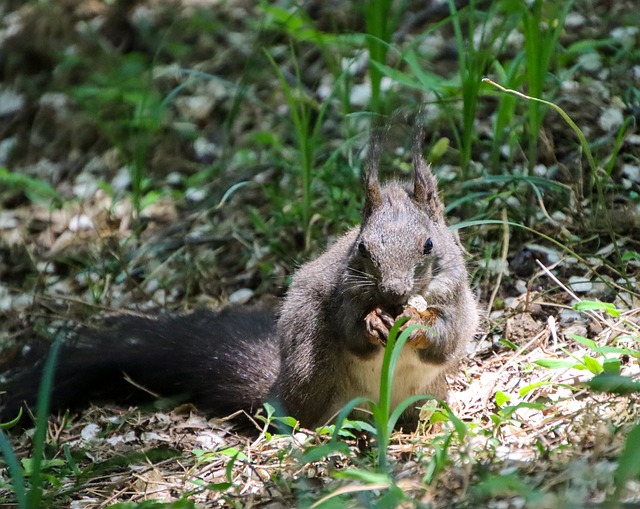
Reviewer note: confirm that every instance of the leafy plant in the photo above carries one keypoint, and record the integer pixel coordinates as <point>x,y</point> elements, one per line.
<point>379,25</point>
<point>31,497</point>
<point>128,110</point>
<point>384,421</point>
<point>542,23</point>
<point>35,189</point>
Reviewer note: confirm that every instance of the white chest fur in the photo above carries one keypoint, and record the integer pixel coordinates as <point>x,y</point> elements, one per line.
<point>412,376</point>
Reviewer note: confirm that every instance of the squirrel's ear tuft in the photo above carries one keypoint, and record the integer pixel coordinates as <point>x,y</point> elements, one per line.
<point>425,188</point>
<point>373,192</point>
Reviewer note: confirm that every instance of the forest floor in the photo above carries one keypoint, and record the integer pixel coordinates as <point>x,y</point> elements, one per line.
<point>149,162</point>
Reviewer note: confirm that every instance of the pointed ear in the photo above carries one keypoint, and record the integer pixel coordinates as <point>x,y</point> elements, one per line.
<point>373,192</point>
<point>425,188</point>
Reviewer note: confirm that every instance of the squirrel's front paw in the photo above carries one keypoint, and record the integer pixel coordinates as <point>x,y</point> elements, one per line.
<point>419,338</point>
<point>377,324</point>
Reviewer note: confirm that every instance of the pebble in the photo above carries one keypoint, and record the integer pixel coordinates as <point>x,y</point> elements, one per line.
<point>6,146</point>
<point>122,180</point>
<point>569,316</point>
<point>611,118</point>
<point>89,432</point>
<point>80,222</point>
<point>241,296</point>
<point>579,284</point>
<point>10,102</point>
<point>631,172</point>
<point>205,150</point>
<point>194,194</point>
<point>590,61</point>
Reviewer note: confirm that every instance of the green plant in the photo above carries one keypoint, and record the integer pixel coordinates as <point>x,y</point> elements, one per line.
<point>128,110</point>
<point>384,421</point>
<point>474,58</point>
<point>600,210</point>
<point>36,190</point>
<point>380,28</point>
<point>542,23</point>
<point>31,497</point>
<point>306,117</point>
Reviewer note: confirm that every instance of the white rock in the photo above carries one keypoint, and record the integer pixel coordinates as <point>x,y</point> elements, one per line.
<point>56,101</point>
<point>241,296</point>
<point>574,20</point>
<point>590,61</point>
<point>568,316</point>
<point>6,146</point>
<point>540,170</point>
<point>360,94</point>
<point>89,432</point>
<point>569,86</point>
<point>631,172</point>
<point>8,220</point>
<point>80,222</point>
<point>85,185</point>
<point>195,106</point>
<point>10,101</point>
<point>122,180</point>
<point>626,34</point>
<point>194,194</point>
<point>611,118</point>
<point>204,149</point>
<point>579,284</point>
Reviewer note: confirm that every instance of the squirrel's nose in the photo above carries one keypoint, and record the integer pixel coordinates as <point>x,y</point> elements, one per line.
<point>395,291</point>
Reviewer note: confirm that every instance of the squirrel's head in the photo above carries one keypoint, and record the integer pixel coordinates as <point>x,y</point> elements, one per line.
<point>404,240</point>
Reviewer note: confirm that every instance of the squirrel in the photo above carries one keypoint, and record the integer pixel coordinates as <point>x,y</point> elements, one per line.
<point>322,347</point>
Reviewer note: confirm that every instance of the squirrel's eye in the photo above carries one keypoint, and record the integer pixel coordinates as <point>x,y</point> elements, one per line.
<point>362,249</point>
<point>428,246</point>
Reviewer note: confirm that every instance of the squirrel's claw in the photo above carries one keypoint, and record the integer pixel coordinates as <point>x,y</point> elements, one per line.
<point>419,338</point>
<point>377,324</point>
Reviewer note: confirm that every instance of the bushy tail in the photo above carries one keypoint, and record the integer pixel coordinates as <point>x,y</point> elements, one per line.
<point>221,361</point>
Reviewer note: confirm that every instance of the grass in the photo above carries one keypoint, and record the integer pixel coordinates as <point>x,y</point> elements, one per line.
<point>537,414</point>
<point>31,496</point>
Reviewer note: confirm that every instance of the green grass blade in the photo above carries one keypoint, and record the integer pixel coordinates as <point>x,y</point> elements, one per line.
<point>34,498</point>
<point>15,471</point>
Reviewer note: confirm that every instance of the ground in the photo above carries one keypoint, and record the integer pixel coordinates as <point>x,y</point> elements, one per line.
<point>164,156</point>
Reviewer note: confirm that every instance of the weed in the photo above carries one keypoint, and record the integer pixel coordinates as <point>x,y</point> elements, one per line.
<point>542,24</point>
<point>36,190</point>
<point>380,28</point>
<point>129,112</point>
<point>31,497</point>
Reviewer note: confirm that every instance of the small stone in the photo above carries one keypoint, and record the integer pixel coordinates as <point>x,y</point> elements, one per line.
<point>194,194</point>
<point>80,222</point>
<point>625,35</point>
<point>195,107</point>
<point>6,146</point>
<point>241,296</point>
<point>540,170</point>
<point>610,119</point>
<point>568,316</point>
<point>56,101</point>
<point>631,172</point>
<point>89,432</point>
<point>579,284</point>
<point>590,61</point>
<point>205,150</point>
<point>85,185</point>
<point>122,180</point>
<point>574,20</point>
<point>10,102</point>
